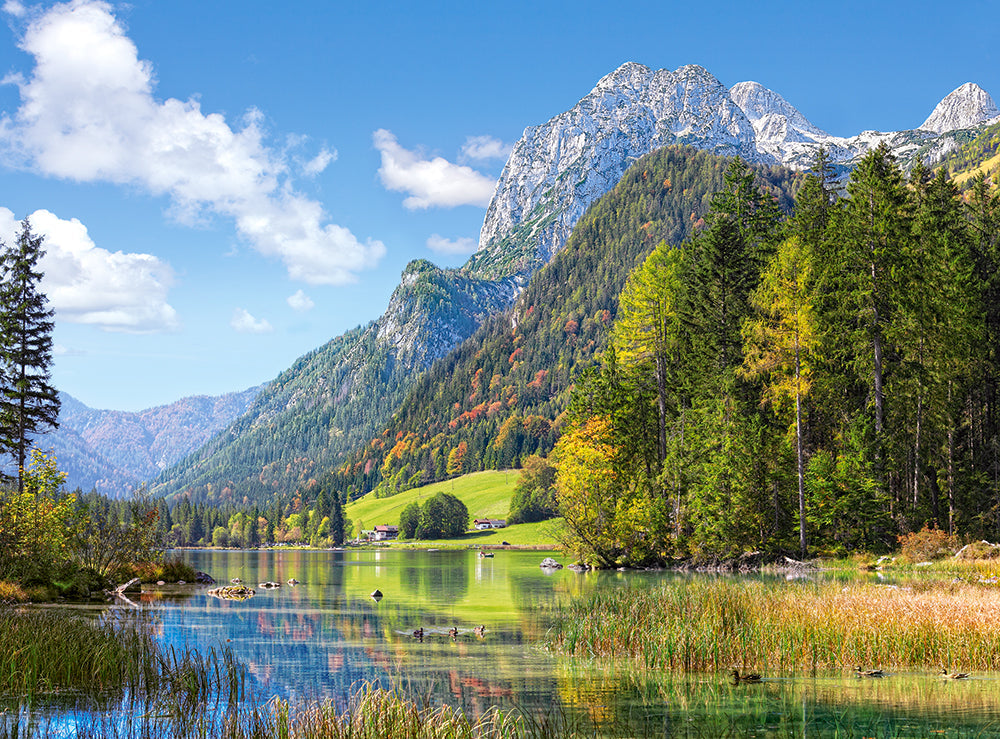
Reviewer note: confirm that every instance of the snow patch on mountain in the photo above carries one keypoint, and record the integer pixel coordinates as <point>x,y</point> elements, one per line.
<point>968,106</point>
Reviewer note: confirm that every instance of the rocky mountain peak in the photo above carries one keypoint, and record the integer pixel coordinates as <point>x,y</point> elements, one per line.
<point>967,106</point>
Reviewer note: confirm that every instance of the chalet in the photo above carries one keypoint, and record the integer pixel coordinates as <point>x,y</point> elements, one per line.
<point>386,532</point>
<point>489,523</point>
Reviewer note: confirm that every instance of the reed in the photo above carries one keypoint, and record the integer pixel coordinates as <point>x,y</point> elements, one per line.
<point>714,625</point>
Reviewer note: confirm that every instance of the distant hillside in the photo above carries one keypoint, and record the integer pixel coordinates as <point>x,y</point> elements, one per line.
<point>485,494</point>
<point>498,397</point>
<point>981,155</point>
<point>335,397</point>
<point>114,451</point>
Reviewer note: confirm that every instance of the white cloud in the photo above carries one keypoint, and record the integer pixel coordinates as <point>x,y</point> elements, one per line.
<point>15,8</point>
<point>88,113</point>
<point>320,162</point>
<point>429,182</point>
<point>245,323</point>
<point>441,245</point>
<point>114,291</point>
<point>484,148</point>
<point>301,302</point>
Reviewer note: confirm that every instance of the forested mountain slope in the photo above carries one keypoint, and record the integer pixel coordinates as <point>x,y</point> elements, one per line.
<point>979,156</point>
<point>337,396</point>
<point>497,398</point>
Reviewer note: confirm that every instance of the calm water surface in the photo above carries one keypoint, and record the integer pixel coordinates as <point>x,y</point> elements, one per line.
<point>324,637</point>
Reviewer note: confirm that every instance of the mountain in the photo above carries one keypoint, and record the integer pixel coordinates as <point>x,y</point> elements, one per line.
<point>114,451</point>
<point>337,396</point>
<point>497,397</point>
<point>968,106</point>
<point>341,394</point>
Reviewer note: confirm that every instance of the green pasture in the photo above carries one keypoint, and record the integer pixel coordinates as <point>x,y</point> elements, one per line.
<point>485,494</point>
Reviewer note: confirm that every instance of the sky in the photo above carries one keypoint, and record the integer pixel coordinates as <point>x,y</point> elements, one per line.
<point>223,187</point>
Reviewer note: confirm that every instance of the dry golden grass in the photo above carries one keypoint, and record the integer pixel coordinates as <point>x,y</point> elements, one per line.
<point>11,592</point>
<point>791,627</point>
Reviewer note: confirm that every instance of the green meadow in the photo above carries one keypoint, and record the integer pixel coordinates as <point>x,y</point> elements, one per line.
<point>485,494</point>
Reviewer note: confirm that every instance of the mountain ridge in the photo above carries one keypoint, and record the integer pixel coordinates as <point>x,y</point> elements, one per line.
<point>555,171</point>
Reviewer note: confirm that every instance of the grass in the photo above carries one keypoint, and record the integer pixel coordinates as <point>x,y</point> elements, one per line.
<point>485,494</point>
<point>713,625</point>
<point>47,654</point>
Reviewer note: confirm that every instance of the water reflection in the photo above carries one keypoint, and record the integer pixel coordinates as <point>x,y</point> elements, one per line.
<point>323,637</point>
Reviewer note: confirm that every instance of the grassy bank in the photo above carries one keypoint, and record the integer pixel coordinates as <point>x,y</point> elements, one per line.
<point>715,625</point>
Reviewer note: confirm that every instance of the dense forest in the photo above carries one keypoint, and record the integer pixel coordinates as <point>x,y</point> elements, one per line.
<point>829,380</point>
<point>498,398</point>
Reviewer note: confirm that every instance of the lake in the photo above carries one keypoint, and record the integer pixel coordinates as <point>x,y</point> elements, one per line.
<point>326,636</point>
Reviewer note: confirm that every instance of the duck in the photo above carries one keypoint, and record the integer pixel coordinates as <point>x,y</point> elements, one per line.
<point>453,632</point>
<point>753,677</point>
<point>418,633</point>
<point>868,673</point>
<point>479,630</point>
<point>954,675</point>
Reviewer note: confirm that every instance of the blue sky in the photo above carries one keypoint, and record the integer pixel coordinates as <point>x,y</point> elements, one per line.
<point>224,187</point>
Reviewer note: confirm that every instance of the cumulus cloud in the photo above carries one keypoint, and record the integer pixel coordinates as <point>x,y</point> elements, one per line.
<point>114,291</point>
<point>485,148</point>
<point>88,113</point>
<point>301,302</point>
<point>441,245</point>
<point>245,323</point>
<point>429,182</point>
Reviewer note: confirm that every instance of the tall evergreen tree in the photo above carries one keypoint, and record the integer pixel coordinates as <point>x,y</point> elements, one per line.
<point>28,402</point>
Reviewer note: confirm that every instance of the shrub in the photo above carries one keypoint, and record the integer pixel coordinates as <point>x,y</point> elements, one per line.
<point>926,544</point>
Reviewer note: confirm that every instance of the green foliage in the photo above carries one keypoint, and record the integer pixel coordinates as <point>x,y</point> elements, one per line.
<point>111,539</point>
<point>37,525</point>
<point>534,495</point>
<point>28,403</point>
<point>846,360</point>
<point>504,391</point>
<point>409,520</point>
<point>442,517</point>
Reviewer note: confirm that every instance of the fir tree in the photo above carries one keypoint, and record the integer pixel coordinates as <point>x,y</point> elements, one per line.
<point>28,402</point>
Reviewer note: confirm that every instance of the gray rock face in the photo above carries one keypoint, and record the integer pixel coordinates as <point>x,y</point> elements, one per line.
<point>968,106</point>
<point>559,168</point>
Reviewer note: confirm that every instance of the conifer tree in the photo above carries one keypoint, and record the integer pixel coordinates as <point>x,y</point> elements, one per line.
<point>28,402</point>
<point>781,340</point>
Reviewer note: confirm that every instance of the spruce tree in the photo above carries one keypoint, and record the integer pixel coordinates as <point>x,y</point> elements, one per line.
<point>28,402</point>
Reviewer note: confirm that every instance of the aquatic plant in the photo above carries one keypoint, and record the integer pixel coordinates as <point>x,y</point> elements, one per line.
<point>716,625</point>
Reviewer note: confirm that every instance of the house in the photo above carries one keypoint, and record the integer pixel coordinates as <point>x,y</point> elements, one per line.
<point>488,523</point>
<point>385,532</point>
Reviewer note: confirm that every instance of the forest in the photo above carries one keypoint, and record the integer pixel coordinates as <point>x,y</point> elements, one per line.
<point>822,382</point>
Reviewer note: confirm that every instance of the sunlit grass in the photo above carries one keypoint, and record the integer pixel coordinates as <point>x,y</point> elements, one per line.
<point>713,625</point>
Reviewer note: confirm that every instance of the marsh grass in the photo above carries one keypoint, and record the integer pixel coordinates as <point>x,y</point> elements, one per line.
<point>52,658</point>
<point>715,625</point>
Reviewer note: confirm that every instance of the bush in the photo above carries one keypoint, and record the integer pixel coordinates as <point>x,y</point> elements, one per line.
<point>926,544</point>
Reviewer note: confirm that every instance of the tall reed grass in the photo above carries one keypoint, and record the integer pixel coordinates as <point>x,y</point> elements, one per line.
<point>713,625</point>
<point>48,655</point>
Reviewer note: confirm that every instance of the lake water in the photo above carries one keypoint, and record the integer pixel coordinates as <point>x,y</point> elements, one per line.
<point>326,636</point>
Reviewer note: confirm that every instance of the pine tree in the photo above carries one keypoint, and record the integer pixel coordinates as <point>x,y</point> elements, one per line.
<point>28,402</point>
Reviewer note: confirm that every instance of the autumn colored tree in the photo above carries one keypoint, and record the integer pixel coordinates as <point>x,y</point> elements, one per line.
<point>780,342</point>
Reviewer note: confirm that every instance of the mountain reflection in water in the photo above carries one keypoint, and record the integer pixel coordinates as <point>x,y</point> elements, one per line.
<point>323,638</point>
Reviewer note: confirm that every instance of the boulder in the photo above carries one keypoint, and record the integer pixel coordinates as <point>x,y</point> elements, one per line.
<point>550,564</point>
